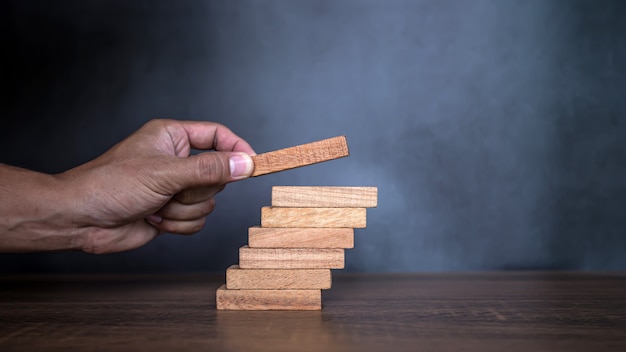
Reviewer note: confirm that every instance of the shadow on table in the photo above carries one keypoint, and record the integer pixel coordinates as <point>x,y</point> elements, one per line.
<point>272,331</point>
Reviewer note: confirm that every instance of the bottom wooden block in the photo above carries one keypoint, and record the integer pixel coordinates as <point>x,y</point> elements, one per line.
<point>268,299</point>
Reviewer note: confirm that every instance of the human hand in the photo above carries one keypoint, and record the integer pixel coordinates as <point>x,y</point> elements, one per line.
<point>150,183</point>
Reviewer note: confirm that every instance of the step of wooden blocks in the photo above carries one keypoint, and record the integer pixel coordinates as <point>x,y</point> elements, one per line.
<point>313,217</point>
<point>277,279</point>
<point>268,299</point>
<point>291,258</point>
<point>324,197</point>
<point>297,237</point>
<point>303,235</point>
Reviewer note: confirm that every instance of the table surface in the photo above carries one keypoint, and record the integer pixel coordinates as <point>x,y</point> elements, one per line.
<point>362,312</point>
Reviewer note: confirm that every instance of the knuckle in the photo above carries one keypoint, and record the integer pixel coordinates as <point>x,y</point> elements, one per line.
<point>198,225</point>
<point>158,122</point>
<point>210,206</point>
<point>154,123</point>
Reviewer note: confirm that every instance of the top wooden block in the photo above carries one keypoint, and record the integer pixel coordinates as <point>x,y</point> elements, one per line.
<point>324,197</point>
<point>300,155</point>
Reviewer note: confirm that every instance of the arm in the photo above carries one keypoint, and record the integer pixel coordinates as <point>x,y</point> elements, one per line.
<point>33,212</point>
<point>146,184</point>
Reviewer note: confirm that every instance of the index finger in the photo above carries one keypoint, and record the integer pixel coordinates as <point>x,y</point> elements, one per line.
<point>204,135</point>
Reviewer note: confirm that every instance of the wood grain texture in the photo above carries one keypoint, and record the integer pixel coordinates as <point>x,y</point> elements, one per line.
<point>300,155</point>
<point>324,196</point>
<point>268,299</point>
<point>297,237</point>
<point>492,312</point>
<point>313,217</point>
<point>277,279</point>
<point>291,258</point>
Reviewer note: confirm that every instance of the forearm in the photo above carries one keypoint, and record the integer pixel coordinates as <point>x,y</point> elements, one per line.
<point>34,214</point>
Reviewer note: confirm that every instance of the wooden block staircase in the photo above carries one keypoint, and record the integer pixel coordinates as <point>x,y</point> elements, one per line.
<point>288,259</point>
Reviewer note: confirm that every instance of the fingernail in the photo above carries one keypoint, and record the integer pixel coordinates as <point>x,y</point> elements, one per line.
<point>240,165</point>
<point>154,218</point>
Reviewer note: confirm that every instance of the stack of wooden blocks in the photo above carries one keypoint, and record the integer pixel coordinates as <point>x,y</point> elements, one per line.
<point>288,259</point>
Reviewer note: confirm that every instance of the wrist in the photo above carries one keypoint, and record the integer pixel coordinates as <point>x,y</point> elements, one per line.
<point>70,224</point>
<point>35,213</point>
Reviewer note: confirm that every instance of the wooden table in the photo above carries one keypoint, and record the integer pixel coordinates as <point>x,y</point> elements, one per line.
<point>362,312</point>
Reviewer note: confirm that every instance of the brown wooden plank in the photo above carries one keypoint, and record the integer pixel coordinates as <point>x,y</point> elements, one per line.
<point>291,258</point>
<point>268,299</point>
<point>298,237</point>
<point>324,196</point>
<point>300,155</point>
<point>313,217</point>
<point>277,279</point>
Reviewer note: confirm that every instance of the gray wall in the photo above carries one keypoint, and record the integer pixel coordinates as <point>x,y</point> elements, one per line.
<point>494,130</point>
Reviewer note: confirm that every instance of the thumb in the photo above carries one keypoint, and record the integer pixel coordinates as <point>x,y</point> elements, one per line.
<point>213,169</point>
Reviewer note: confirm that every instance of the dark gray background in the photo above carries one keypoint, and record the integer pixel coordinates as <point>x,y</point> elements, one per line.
<point>494,130</point>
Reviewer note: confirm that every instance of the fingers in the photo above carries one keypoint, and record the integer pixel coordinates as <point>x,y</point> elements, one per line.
<point>188,227</point>
<point>208,169</point>
<point>214,136</point>
<point>191,196</point>
<point>204,135</point>
<point>229,162</point>
<point>177,211</point>
<point>180,218</point>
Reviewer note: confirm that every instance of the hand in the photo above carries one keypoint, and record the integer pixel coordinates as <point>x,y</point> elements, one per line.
<point>146,184</point>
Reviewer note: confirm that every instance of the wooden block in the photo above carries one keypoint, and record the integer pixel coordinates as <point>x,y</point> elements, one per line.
<point>268,299</point>
<point>313,217</point>
<point>324,197</point>
<point>277,279</point>
<point>291,258</point>
<point>300,155</point>
<point>294,237</point>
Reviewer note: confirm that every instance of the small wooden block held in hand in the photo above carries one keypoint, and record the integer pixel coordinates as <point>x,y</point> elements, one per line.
<point>300,155</point>
<point>324,197</point>
<point>291,258</point>
<point>268,299</point>
<point>277,279</point>
<point>313,217</point>
<point>297,237</point>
